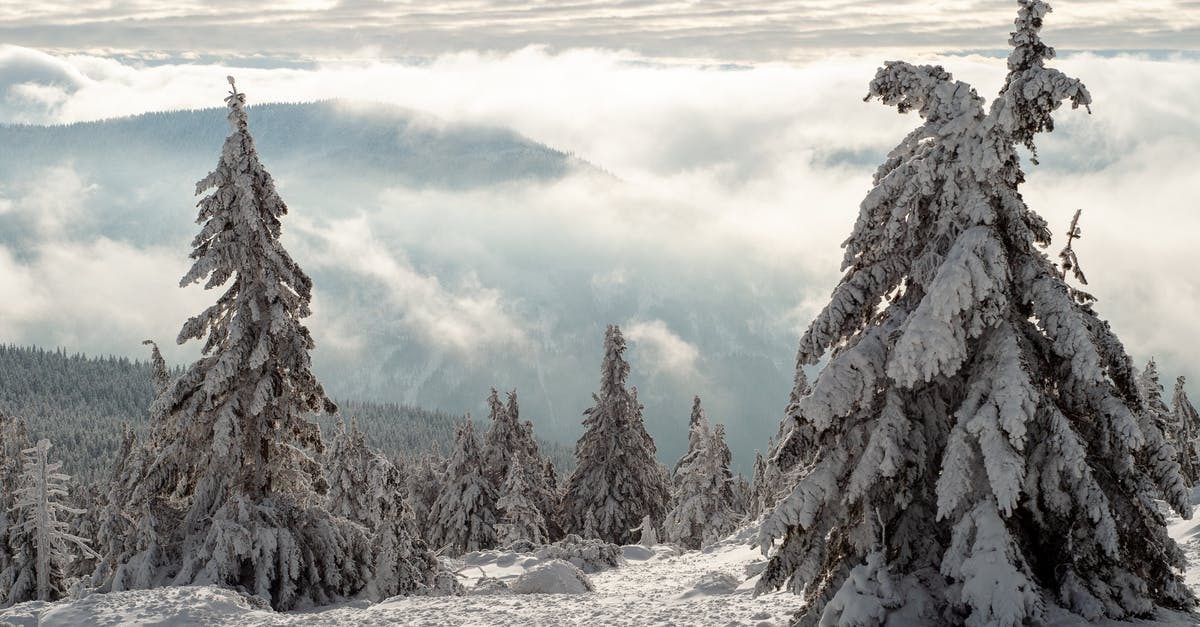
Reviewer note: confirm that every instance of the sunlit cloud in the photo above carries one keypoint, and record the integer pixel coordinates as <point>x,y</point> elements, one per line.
<point>746,31</point>
<point>666,352</point>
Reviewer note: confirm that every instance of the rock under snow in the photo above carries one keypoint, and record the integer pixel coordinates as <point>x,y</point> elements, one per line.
<point>714,583</point>
<point>554,577</point>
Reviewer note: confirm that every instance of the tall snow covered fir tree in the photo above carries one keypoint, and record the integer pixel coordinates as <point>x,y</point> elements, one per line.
<point>703,509</point>
<point>976,446</point>
<point>233,495</point>
<point>463,519</point>
<point>616,481</point>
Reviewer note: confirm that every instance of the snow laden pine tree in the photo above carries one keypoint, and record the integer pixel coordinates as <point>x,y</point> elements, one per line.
<point>770,482</point>
<point>978,448</point>
<point>703,509</point>
<point>616,482</point>
<point>463,519</point>
<point>521,519</point>
<point>1161,455</point>
<point>509,441</point>
<point>233,495</point>
<point>425,483</point>
<point>366,488</point>
<point>116,539</point>
<point>41,540</point>
<point>1187,433</point>
<point>14,438</point>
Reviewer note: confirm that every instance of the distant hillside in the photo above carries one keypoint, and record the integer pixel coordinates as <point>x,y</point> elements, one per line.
<point>468,231</point>
<point>146,166</point>
<point>79,403</point>
<point>398,145</point>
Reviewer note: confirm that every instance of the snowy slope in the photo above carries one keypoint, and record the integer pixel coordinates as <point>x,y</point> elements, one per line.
<point>656,587</point>
<point>659,587</point>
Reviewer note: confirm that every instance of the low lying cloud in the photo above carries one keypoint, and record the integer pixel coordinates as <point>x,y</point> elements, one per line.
<point>709,181</point>
<point>665,351</point>
<point>466,318</point>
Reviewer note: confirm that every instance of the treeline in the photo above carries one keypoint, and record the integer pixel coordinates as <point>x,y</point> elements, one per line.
<point>80,403</point>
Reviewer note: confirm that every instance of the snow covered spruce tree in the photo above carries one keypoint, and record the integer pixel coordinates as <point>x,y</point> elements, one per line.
<point>769,482</point>
<point>41,542</point>
<point>616,482</point>
<point>425,484</point>
<point>976,429</point>
<point>509,440</point>
<point>463,519</point>
<point>520,516</point>
<point>1162,452</point>
<point>703,509</point>
<point>14,438</point>
<point>233,495</point>
<point>365,487</point>
<point>1187,433</point>
<point>117,538</point>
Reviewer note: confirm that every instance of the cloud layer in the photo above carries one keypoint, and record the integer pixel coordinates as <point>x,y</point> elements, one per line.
<point>724,181</point>
<point>742,31</point>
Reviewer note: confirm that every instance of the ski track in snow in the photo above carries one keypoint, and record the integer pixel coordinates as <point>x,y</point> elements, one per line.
<point>653,587</point>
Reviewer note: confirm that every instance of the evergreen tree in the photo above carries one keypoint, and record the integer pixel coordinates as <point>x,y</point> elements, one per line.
<point>771,482</point>
<point>521,518</point>
<point>975,430</point>
<point>120,535</point>
<point>648,534</point>
<point>616,481</point>
<point>1161,453</point>
<point>463,519</point>
<point>234,495</point>
<point>365,487</point>
<point>509,440</point>
<point>757,496</point>
<point>14,438</point>
<point>161,376</point>
<point>425,484</point>
<point>1187,433</point>
<point>502,441</point>
<point>114,527</point>
<point>42,544</point>
<point>703,509</point>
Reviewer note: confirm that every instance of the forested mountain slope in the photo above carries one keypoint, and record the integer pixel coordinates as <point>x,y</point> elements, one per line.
<point>79,403</point>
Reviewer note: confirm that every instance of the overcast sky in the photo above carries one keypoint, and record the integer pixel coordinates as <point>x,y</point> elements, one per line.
<point>720,30</point>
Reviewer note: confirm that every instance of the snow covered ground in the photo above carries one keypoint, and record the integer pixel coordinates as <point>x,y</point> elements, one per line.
<point>654,587</point>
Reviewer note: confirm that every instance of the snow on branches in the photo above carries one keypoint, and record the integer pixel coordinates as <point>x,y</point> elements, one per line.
<point>977,439</point>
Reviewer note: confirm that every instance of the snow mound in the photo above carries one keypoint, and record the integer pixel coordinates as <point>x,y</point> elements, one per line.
<point>591,556</point>
<point>554,577</point>
<point>181,605</point>
<point>637,552</point>
<point>713,583</point>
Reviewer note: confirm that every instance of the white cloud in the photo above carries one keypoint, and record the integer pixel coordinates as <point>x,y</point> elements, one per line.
<point>747,31</point>
<point>662,349</point>
<point>466,318</point>
<point>739,176</point>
